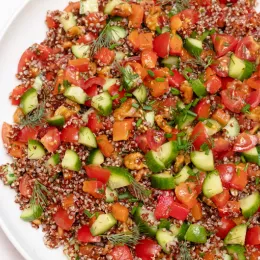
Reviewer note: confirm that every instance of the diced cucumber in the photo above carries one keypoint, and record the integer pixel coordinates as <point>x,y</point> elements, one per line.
<point>162,181</point>
<point>54,160</point>
<point>174,229</point>
<point>130,82</point>
<point>146,221</point>
<point>119,56</point>
<point>111,5</point>
<point>103,223</point>
<point>141,94</point>
<point>183,229</point>
<point>88,6</point>
<point>203,160</point>
<point>76,94</point>
<point>193,46</point>
<point>56,120</point>
<point>232,128</point>
<point>199,88</point>
<point>240,69</point>
<point>119,177</point>
<point>185,120</point>
<point>111,195</point>
<point>171,61</point>
<point>166,29</point>
<point>95,157</point>
<point>85,116</point>
<point>68,21</point>
<point>81,51</point>
<point>35,150</point>
<point>153,162</point>
<point>71,161</point>
<point>164,238</point>
<point>237,235</point>
<point>227,257</point>
<point>212,184</point>
<point>183,175</point>
<point>29,101</point>
<point>102,103</point>
<point>109,83</point>
<point>149,117</point>
<point>38,83</point>
<point>253,155</point>
<point>87,138</point>
<point>118,33</point>
<point>196,234</point>
<point>167,153</point>
<point>237,251</point>
<point>212,126</point>
<point>10,176</point>
<point>250,204</point>
<point>32,213</point>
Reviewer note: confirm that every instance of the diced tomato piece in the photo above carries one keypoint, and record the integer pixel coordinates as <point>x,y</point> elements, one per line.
<point>142,142</point>
<point>221,116</point>
<point>245,142</point>
<point>51,23</point>
<point>202,109</point>
<point>230,209</point>
<point>196,211</point>
<point>147,249</point>
<point>88,38</point>
<point>176,80</point>
<point>213,85</point>
<point>94,122</point>
<point>221,65</point>
<point>17,93</point>
<point>94,188</point>
<point>175,23</point>
<point>43,52</point>
<point>137,67</point>
<point>27,133</point>
<point>121,253</point>
<point>122,129</point>
<point>73,6</point>
<point>51,140</point>
<point>225,82</point>
<point>225,226</point>
<point>163,207</point>
<point>84,235</point>
<point>149,59</point>
<point>82,65</point>
<point>114,91</point>
<point>221,199</point>
<point>220,145</point>
<point>199,136</point>
<point>134,40</point>
<point>120,212</point>
<point>104,145</point>
<point>105,56</point>
<point>6,129</point>
<point>158,89</point>
<point>186,193</point>
<point>146,41</point>
<point>63,219</point>
<point>27,56</point>
<point>71,74</point>
<point>16,149</point>
<point>91,92</point>
<point>254,81</point>
<point>188,17</point>
<point>239,179</point>
<point>254,98</point>
<point>179,211</point>
<point>70,134</point>
<point>253,236</point>
<point>136,18</point>
<point>24,186</point>
<point>155,139</point>
<point>176,45</point>
<point>226,172</point>
<point>223,43</point>
<point>161,44</point>
<point>93,81</point>
<point>98,173</point>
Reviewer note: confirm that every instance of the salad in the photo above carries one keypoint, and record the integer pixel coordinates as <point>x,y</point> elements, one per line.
<point>136,133</point>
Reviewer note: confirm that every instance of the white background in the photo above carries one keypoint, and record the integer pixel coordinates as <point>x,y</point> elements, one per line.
<point>7,10</point>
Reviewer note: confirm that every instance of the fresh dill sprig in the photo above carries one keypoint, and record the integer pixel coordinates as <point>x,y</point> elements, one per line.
<point>185,252</point>
<point>139,191</point>
<point>38,195</point>
<point>181,5</point>
<point>128,77</point>
<point>200,62</point>
<point>130,238</point>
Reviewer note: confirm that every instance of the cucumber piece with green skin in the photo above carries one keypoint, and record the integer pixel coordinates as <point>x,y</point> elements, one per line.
<point>119,56</point>
<point>183,175</point>
<point>164,238</point>
<point>193,46</point>
<point>237,235</point>
<point>162,181</point>
<point>88,6</point>
<point>171,61</point>
<point>109,83</point>
<point>240,69</point>
<point>54,160</point>
<point>81,51</point>
<point>111,195</point>
<point>232,128</point>
<point>166,29</point>
<point>153,162</point>
<point>130,82</point>
<point>250,204</point>
<point>203,161</point>
<point>252,155</point>
<point>119,177</point>
<point>29,101</point>
<point>76,94</point>
<point>109,7</point>
<point>183,229</point>
<point>199,88</point>
<point>174,229</point>
<point>167,153</point>
<point>103,223</point>
<point>32,213</point>
<point>212,184</point>
<point>185,120</point>
<point>38,83</point>
<point>56,120</point>
<point>149,117</point>
<point>141,94</point>
<point>68,21</point>
<point>87,138</point>
<point>237,251</point>
<point>196,234</point>
<point>117,33</point>
<point>95,157</point>
<point>35,150</point>
<point>143,218</point>
<point>212,126</point>
<point>227,257</point>
<point>71,161</point>
<point>102,103</point>
<point>10,176</point>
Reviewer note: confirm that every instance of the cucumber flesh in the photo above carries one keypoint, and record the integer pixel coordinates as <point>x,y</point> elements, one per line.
<point>236,235</point>
<point>54,160</point>
<point>153,162</point>
<point>29,101</point>
<point>193,46</point>
<point>232,128</point>
<point>167,153</point>
<point>171,62</point>
<point>81,51</point>
<point>68,21</point>
<point>162,181</point>
<point>119,177</point>
<point>252,155</point>
<point>185,120</point>
<point>76,94</point>
<point>140,94</point>
<point>183,175</point>
<point>164,238</point>
<point>103,223</point>
<point>199,88</point>
<point>95,157</point>
<point>212,126</point>
<point>237,251</point>
<point>71,161</point>
<point>102,103</point>
<point>88,6</point>
<point>109,83</point>
<point>38,83</point>
<point>32,213</point>
<point>212,185</point>
<point>87,138</point>
<point>10,176</point>
<point>149,117</point>
<point>111,195</point>
<point>203,161</point>
<point>111,5</point>
<point>250,204</point>
<point>56,120</point>
<point>35,150</point>
<point>118,33</point>
<point>196,234</point>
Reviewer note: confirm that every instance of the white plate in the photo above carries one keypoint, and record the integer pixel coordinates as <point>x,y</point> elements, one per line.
<point>26,28</point>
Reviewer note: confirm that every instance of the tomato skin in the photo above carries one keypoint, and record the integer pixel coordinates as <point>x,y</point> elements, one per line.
<point>225,226</point>
<point>220,145</point>
<point>176,80</point>
<point>70,134</point>
<point>223,43</point>
<point>105,56</point>
<point>254,81</point>
<point>84,235</point>
<point>43,52</point>
<point>27,133</point>
<point>239,179</point>
<point>121,253</point>
<point>51,140</point>
<point>94,122</point>
<point>232,100</point>
<point>163,207</point>
<point>63,219</point>
<point>26,57</point>
<point>213,85</point>
<point>82,65</point>
<point>51,23</point>
<point>220,66</point>
<point>91,92</point>
<point>142,142</point>
<point>16,149</point>
<point>189,15</point>
<point>98,173</point>
<point>230,209</point>
<point>245,142</point>
<point>149,59</point>
<point>93,81</point>
<point>187,194</point>
<point>88,38</point>
<point>254,98</point>
<point>199,136</point>
<point>176,45</point>
<point>179,211</point>
<point>161,44</point>
<point>220,200</point>
<point>6,128</point>
<point>71,75</point>
<point>225,82</point>
<point>253,236</point>
<point>155,139</point>
<point>202,109</point>
<point>115,90</point>
<point>146,249</point>
<point>105,145</point>
<point>17,93</point>
<point>226,172</point>
<point>94,188</point>
<point>24,186</point>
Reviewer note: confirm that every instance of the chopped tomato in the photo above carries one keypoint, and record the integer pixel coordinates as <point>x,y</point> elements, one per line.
<point>17,93</point>
<point>120,212</point>
<point>43,52</point>
<point>6,129</point>
<point>176,80</point>
<point>224,227</point>
<point>114,91</point>
<point>179,211</point>
<point>16,149</point>
<point>186,193</point>
<point>213,84</point>
<point>27,56</point>
<point>175,23</point>
<point>149,59</point>
<point>68,201</point>
<point>134,39</point>
<point>147,249</point>
<point>199,136</point>
<point>221,116</point>
<point>27,133</point>
<point>155,139</point>
<point>91,91</point>
<point>220,145</point>
<point>226,172</point>
<point>94,122</point>
<point>73,6</point>
<point>94,188</point>
<point>232,100</point>
<point>196,211</point>
<point>161,44</point>
<point>71,74</point>
<point>163,207</point>
<point>105,56</point>
<point>142,142</point>
<point>137,67</point>
<point>82,65</point>
<point>223,43</point>
<point>254,81</point>
<point>122,129</point>
<point>176,45</point>
<point>70,134</point>
<point>202,109</point>
<point>253,236</point>
<point>221,65</point>
<point>104,145</point>
<point>254,98</point>
<point>146,41</point>
<point>232,208</point>
<point>174,135</point>
<point>63,219</point>
<point>158,89</point>
<point>51,140</point>
<point>239,179</point>
<point>84,235</point>
<point>221,199</point>
<point>245,142</point>
<point>121,253</point>
<point>188,17</point>
<point>24,186</point>
<point>198,180</point>
<point>88,38</point>
<point>136,18</point>
<point>51,23</point>
<point>225,82</point>
<point>98,173</point>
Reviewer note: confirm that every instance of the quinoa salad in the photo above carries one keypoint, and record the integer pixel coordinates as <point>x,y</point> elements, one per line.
<point>136,133</point>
